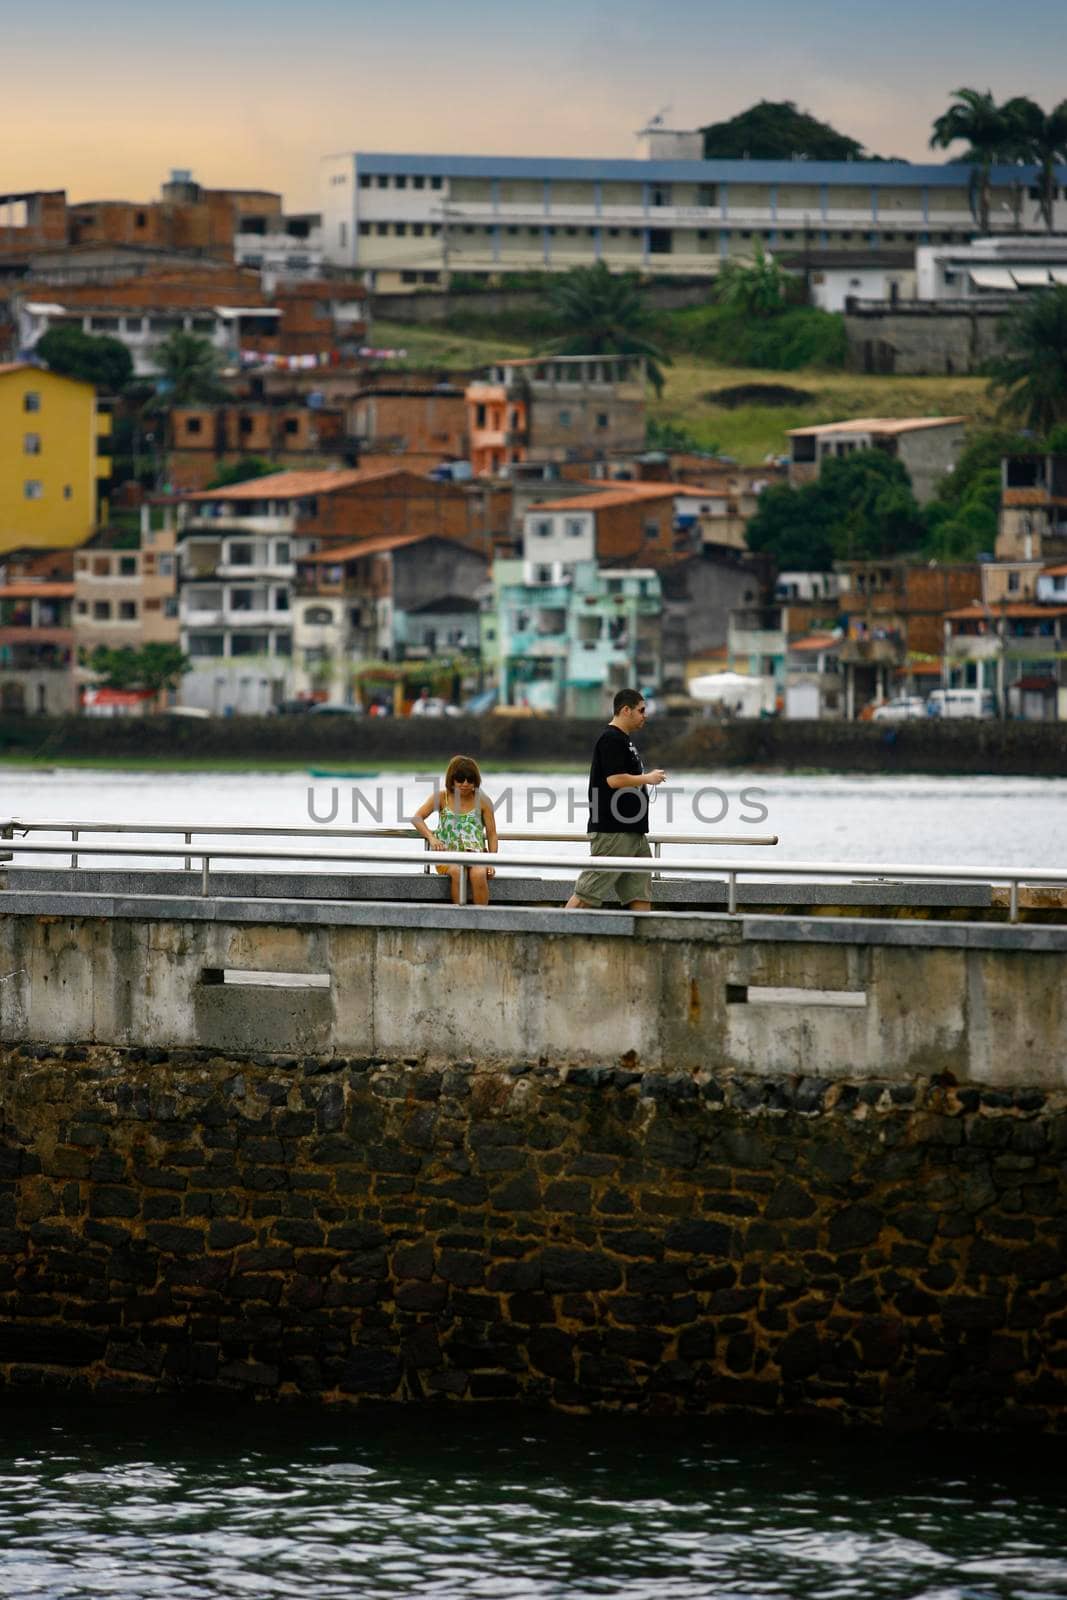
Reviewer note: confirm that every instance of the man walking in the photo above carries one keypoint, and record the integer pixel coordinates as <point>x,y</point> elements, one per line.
<point>618,811</point>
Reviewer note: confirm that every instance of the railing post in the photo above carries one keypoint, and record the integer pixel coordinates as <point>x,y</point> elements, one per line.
<point>73,840</point>
<point>1013,901</point>
<point>462,884</point>
<point>731,893</point>
<point>188,859</point>
<point>656,854</point>
<point>204,875</point>
<point>426,846</point>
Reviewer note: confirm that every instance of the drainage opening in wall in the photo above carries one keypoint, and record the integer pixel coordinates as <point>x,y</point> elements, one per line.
<point>751,994</point>
<point>239,977</point>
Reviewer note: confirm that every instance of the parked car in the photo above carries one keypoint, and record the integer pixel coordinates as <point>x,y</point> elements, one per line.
<point>962,703</point>
<point>901,709</point>
<point>334,708</point>
<point>433,706</point>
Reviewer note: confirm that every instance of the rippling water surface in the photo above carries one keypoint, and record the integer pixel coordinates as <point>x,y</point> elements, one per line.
<point>156,1501</point>
<point>978,821</point>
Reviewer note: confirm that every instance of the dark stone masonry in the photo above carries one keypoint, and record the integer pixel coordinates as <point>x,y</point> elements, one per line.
<point>890,1253</point>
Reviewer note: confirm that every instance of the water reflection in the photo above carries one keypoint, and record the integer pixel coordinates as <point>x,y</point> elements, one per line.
<point>111,1502</point>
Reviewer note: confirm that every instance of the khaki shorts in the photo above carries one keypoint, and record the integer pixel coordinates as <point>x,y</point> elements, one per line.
<point>595,886</point>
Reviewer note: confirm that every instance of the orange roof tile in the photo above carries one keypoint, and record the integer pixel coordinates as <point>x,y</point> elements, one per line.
<point>814,641</point>
<point>36,591</point>
<point>876,425</point>
<point>1016,608</point>
<point>370,547</point>
<point>620,494</point>
<point>1025,497</point>
<point>297,485</point>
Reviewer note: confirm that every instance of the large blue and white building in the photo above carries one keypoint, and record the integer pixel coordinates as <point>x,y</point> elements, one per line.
<point>408,219</point>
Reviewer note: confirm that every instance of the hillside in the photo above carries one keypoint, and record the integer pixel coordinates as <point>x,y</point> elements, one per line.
<point>749,432</point>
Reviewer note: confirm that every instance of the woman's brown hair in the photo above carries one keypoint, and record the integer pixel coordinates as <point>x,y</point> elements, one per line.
<point>462,769</point>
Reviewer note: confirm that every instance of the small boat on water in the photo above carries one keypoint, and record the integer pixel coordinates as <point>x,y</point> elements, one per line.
<point>347,772</point>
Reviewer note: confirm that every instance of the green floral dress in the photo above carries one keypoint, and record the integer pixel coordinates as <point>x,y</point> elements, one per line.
<point>462,830</point>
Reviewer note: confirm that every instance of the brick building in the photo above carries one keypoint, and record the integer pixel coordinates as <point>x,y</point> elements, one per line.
<point>616,523</point>
<point>555,408</point>
<point>302,322</point>
<point>431,419</point>
<point>204,438</point>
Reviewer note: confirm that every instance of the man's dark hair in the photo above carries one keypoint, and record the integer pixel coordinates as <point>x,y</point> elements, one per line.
<point>627,700</point>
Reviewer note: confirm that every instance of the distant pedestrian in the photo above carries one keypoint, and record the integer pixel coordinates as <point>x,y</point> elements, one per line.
<point>465,821</point>
<point>618,811</point>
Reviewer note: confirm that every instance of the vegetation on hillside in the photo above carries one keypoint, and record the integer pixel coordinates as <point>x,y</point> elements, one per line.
<point>1017,133</point>
<point>777,131</point>
<point>861,506</point>
<point>154,666</point>
<point>68,351</point>
<point>241,471</point>
<point>1031,373</point>
<point>597,312</point>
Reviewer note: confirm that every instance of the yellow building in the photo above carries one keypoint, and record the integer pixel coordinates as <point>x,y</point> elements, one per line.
<point>53,454</point>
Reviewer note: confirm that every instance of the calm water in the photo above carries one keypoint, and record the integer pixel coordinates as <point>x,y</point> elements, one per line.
<point>157,1502</point>
<point>905,820</point>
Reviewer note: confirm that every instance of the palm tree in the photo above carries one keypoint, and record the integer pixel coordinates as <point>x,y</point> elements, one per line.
<point>599,313</point>
<point>977,118</point>
<point>756,288</point>
<point>1031,374</point>
<point>189,370</point>
<point>1039,137</point>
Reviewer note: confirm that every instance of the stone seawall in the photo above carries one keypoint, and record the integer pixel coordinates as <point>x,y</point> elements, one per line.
<point>883,1252</point>
<point>925,745</point>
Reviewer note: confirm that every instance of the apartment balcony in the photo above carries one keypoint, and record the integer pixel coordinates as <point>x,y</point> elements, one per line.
<point>15,636</point>
<point>201,619</point>
<point>972,647</point>
<point>871,652</point>
<point>756,642</point>
<point>256,619</point>
<point>277,572</point>
<point>236,523</point>
<point>1031,647</point>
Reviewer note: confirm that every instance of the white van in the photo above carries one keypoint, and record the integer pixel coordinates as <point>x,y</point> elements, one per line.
<point>962,703</point>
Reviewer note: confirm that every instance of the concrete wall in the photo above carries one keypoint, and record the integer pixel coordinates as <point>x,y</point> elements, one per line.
<point>429,308</point>
<point>668,1198</point>
<point>684,992</point>
<point>1027,749</point>
<point>921,340</point>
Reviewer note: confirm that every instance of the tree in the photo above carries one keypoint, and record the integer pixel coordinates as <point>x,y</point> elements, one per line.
<point>755,289</point>
<point>241,471</point>
<point>155,666</point>
<point>103,362</point>
<point>1039,137</point>
<point>599,313</point>
<point>860,507</point>
<point>777,131</point>
<point>789,526</point>
<point>991,136</point>
<point>189,370</point>
<point>1031,374</point>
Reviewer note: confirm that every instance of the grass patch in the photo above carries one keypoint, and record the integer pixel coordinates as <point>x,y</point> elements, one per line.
<point>435,347</point>
<point>752,433</point>
<point>748,433</point>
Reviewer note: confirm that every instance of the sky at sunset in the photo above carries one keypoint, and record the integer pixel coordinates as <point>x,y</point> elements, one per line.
<point>104,97</point>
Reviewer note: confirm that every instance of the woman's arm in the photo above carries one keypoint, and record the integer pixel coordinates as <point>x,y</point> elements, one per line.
<point>418,821</point>
<point>492,844</point>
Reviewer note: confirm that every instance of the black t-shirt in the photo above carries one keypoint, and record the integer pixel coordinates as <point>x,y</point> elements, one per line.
<point>616,810</point>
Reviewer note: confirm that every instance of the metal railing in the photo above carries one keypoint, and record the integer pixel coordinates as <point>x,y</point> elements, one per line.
<point>731,871</point>
<point>9,826</point>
